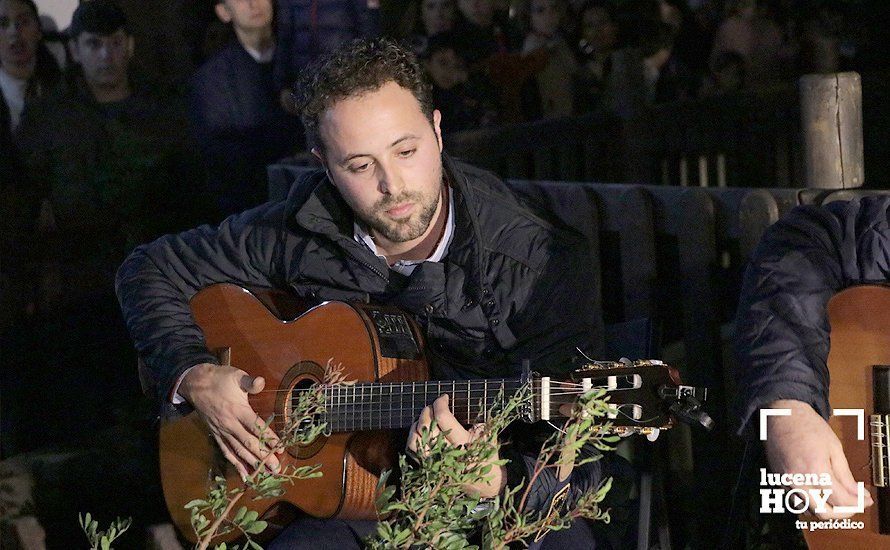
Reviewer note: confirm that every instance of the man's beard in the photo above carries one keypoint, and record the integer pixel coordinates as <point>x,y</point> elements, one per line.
<point>404,230</point>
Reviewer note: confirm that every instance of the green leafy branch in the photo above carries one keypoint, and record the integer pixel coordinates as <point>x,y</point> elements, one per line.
<point>216,515</point>
<point>586,427</point>
<point>434,510</point>
<point>101,540</point>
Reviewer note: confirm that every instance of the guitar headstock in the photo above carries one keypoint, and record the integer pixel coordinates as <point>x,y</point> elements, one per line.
<point>646,395</point>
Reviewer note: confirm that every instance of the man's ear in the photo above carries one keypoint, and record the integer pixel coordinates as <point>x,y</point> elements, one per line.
<point>131,47</point>
<point>320,156</point>
<point>437,121</point>
<point>222,12</point>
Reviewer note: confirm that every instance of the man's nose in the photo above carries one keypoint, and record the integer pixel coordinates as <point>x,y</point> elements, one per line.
<point>389,179</point>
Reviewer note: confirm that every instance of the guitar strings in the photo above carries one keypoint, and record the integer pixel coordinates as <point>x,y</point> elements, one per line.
<point>491,386</point>
<point>347,410</point>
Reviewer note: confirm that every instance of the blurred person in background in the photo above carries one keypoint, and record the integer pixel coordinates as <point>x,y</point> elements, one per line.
<point>641,75</point>
<point>437,16</point>
<point>112,166</point>
<point>553,85</point>
<point>27,69</point>
<point>692,46</point>
<point>427,18</point>
<point>726,74</point>
<point>824,42</point>
<point>596,40</point>
<point>491,44</point>
<point>466,102</point>
<point>310,28</point>
<point>482,32</point>
<point>238,120</point>
<point>755,31</point>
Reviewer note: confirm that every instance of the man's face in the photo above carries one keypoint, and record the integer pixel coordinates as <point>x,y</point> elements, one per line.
<point>246,15</point>
<point>104,59</point>
<point>384,157</point>
<point>19,34</point>
<point>478,12</point>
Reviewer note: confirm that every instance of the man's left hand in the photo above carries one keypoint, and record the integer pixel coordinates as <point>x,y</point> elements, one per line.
<point>455,434</point>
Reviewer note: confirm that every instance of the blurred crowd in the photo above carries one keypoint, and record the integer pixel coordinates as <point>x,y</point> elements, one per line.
<point>108,142</point>
<point>495,61</point>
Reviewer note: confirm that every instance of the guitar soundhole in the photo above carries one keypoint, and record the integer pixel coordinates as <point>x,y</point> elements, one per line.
<point>301,386</point>
<point>299,378</point>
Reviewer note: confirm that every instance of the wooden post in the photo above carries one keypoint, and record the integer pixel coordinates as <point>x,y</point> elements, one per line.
<point>831,119</point>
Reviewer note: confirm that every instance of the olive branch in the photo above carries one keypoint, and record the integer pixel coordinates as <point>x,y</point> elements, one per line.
<point>433,510</point>
<point>429,507</point>
<point>216,515</point>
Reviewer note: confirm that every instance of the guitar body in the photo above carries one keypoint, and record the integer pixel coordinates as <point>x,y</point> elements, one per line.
<point>292,352</point>
<point>860,340</point>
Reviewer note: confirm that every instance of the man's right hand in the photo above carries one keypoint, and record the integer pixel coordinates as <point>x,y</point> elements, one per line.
<point>804,443</point>
<point>219,395</point>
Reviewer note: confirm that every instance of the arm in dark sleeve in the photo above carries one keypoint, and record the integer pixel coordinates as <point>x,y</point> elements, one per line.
<point>583,479</point>
<point>156,282</point>
<point>558,316</point>
<point>555,320</point>
<point>782,330</point>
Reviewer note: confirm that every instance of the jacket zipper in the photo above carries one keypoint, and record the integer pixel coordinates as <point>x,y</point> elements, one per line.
<point>369,266</point>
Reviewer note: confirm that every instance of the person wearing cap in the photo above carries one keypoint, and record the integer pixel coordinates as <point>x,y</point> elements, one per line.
<point>236,116</point>
<point>112,165</point>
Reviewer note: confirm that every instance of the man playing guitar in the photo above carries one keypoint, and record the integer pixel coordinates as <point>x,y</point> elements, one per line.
<point>390,220</point>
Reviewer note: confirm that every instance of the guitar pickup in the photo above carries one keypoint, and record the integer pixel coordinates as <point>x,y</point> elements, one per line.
<point>683,392</point>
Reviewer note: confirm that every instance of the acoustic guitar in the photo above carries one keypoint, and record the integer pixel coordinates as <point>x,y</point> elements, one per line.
<point>382,350</point>
<point>859,366</point>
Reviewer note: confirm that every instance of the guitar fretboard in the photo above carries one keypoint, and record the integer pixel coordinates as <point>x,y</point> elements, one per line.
<point>384,406</point>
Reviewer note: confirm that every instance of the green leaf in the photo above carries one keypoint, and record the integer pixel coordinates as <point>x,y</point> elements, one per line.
<point>256,527</point>
<point>197,503</point>
<point>250,517</point>
<point>239,515</point>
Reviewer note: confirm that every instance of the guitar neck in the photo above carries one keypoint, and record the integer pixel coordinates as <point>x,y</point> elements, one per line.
<point>384,406</point>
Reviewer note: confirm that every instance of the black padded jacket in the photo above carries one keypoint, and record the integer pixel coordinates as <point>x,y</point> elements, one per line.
<point>512,286</point>
<point>782,329</point>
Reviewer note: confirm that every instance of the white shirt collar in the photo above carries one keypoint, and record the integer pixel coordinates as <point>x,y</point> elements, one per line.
<point>13,91</point>
<point>406,267</point>
<point>258,56</point>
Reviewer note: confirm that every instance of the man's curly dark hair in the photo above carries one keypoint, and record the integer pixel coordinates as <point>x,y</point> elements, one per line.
<point>359,66</point>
